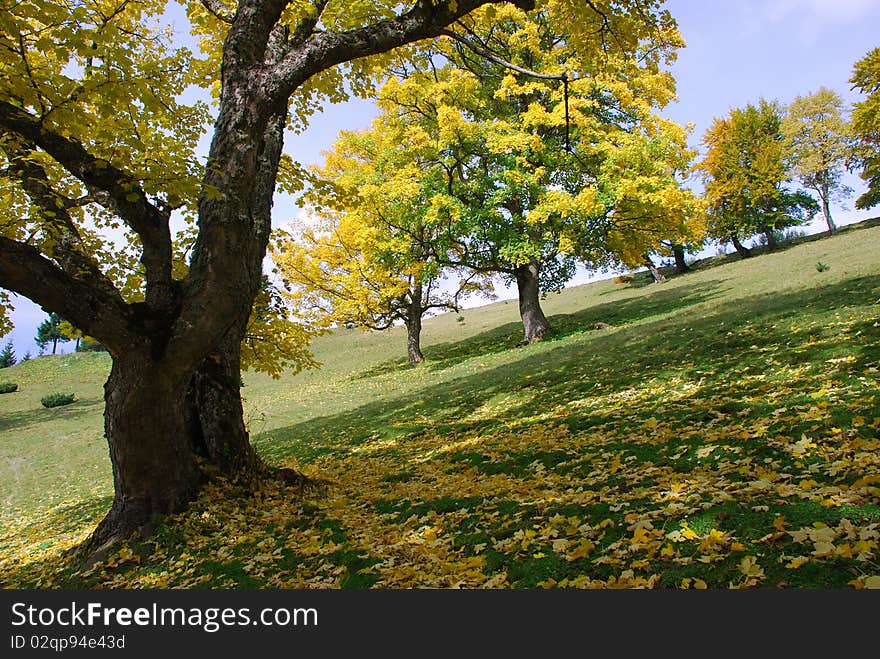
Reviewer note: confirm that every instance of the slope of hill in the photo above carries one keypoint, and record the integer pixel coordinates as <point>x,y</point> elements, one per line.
<point>721,429</point>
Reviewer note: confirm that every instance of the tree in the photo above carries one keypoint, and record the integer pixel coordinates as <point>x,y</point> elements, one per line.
<point>97,141</point>
<point>7,355</point>
<point>50,330</point>
<point>344,271</point>
<point>818,144</point>
<point>866,125</point>
<point>519,171</point>
<point>745,177</point>
<point>369,254</point>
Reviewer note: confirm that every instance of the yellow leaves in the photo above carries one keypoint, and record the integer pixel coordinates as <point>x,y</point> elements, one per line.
<point>796,562</point>
<point>688,583</point>
<point>688,533</point>
<point>866,582</point>
<point>713,541</point>
<point>581,550</point>
<point>750,568</point>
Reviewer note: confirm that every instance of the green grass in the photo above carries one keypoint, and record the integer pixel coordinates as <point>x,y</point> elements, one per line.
<point>739,399</point>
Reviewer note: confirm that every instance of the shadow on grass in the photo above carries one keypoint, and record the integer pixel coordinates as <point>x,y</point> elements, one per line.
<point>500,339</point>
<point>53,523</point>
<point>723,350</point>
<point>24,418</point>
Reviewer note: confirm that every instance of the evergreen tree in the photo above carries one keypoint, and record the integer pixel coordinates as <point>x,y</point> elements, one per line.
<point>50,330</point>
<point>7,355</point>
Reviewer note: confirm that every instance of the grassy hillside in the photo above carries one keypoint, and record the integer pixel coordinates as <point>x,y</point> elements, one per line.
<point>720,430</point>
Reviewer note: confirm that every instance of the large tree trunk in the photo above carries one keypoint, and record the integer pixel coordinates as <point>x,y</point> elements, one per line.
<point>741,249</point>
<point>681,265</point>
<point>826,211</point>
<point>655,272</point>
<point>535,325</point>
<point>155,471</point>
<point>414,327</point>
<point>200,422</point>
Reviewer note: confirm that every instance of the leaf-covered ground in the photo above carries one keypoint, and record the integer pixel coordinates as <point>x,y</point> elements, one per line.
<point>717,435</point>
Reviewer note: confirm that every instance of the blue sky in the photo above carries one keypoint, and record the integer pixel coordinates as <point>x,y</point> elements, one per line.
<point>737,52</point>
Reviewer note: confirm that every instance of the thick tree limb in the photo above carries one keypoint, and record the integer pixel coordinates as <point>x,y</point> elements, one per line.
<point>322,51</point>
<point>112,187</point>
<point>97,313</point>
<point>66,242</point>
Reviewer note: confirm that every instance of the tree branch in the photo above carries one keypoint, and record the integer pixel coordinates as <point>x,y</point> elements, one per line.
<point>112,187</point>
<point>425,20</point>
<point>492,57</point>
<point>25,271</point>
<point>219,10</point>
<point>66,243</point>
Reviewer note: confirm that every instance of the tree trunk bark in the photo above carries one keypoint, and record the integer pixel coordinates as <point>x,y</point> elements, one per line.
<point>535,325</point>
<point>54,345</point>
<point>655,272</point>
<point>168,432</point>
<point>741,249</point>
<point>155,471</point>
<point>215,417</point>
<point>826,211</point>
<point>414,327</point>
<point>772,245</point>
<point>681,265</point>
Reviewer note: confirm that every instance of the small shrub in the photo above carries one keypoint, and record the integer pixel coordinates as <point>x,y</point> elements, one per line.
<point>460,319</point>
<point>8,387</point>
<point>57,400</point>
<point>623,279</point>
<point>821,267</point>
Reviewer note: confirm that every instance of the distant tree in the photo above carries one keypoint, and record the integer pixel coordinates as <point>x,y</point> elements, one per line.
<point>679,252</point>
<point>369,253</point>
<point>745,177</point>
<point>27,357</point>
<point>7,355</point>
<point>818,144</point>
<point>520,170</point>
<point>50,331</point>
<point>866,126</point>
<point>73,334</point>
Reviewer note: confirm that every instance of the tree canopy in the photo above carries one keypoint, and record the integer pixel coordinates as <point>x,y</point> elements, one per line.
<point>746,176</point>
<point>819,146</point>
<point>520,156</point>
<point>866,125</point>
